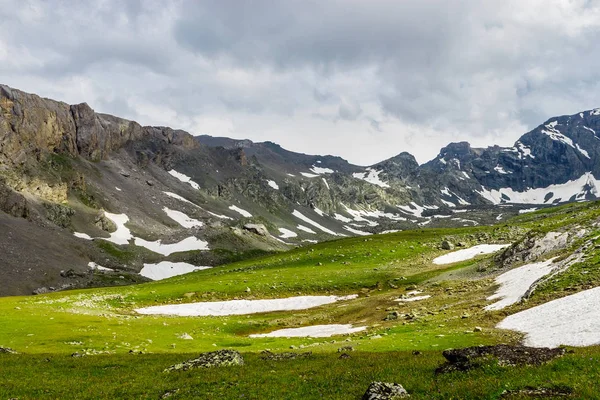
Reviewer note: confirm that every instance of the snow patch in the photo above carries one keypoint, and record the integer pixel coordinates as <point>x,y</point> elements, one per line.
<point>82,236</point>
<point>306,229</point>
<point>242,307</point>
<point>554,193</point>
<point>306,174</point>
<point>528,210</point>
<point>501,170</point>
<point>184,178</point>
<point>240,211</point>
<point>372,176</point>
<point>273,184</point>
<point>188,244</point>
<point>168,269</point>
<point>97,267</point>
<point>182,218</point>
<point>556,135</point>
<point>572,321</point>
<point>413,298</point>
<point>356,231</point>
<point>516,282</point>
<point>320,170</point>
<point>122,235</point>
<point>315,331</point>
<point>467,254</point>
<point>286,233</point>
<point>304,218</point>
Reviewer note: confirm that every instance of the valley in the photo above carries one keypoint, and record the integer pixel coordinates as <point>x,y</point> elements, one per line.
<point>409,299</point>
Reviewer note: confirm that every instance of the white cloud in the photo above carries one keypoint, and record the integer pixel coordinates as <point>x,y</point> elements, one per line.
<point>364,80</point>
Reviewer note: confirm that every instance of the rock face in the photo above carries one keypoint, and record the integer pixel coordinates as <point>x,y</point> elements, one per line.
<point>473,357</point>
<point>71,156</point>
<point>221,358</point>
<point>258,229</point>
<point>385,391</point>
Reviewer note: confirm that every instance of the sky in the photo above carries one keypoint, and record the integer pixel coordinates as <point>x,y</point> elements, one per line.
<point>362,79</point>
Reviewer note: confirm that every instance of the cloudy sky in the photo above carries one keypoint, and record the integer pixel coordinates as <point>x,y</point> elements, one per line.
<point>364,79</point>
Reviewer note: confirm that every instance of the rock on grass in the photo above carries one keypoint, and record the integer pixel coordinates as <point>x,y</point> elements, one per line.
<point>221,358</point>
<point>385,391</point>
<point>6,350</point>
<point>472,357</point>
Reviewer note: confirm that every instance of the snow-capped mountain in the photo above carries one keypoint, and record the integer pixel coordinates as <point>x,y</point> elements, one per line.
<point>115,194</point>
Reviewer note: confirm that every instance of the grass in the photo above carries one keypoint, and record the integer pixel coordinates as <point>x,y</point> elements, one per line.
<point>102,323</point>
<point>321,376</point>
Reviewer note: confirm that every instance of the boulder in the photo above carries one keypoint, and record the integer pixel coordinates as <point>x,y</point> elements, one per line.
<point>385,391</point>
<point>6,350</point>
<point>221,358</point>
<point>258,229</point>
<point>505,355</point>
<point>104,223</point>
<point>446,245</point>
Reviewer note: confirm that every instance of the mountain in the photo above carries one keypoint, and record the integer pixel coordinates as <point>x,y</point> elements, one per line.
<point>122,201</point>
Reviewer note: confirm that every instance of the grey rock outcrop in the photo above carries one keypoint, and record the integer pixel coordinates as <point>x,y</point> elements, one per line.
<point>221,358</point>
<point>385,391</point>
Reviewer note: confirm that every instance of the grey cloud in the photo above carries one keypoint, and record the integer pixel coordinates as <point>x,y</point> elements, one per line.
<point>465,70</point>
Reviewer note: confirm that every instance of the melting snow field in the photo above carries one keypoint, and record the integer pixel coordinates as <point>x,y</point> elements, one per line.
<point>315,331</point>
<point>184,178</point>
<point>98,267</point>
<point>467,254</point>
<point>516,282</point>
<point>572,321</point>
<point>306,229</point>
<point>372,176</point>
<point>242,307</point>
<point>304,218</point>
<point>182,218</point>
<point>168,269</point>
<point>286,233</point>
<point>576,188</point>
<point>82,236</point>
<point>188,244</point>
<point>122,235</point>
<point>240,211</point>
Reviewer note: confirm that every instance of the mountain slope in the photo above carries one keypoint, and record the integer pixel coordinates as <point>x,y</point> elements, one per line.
<point>146,195</point>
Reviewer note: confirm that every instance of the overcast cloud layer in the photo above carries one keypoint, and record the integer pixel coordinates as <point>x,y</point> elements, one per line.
<point>362,79</point>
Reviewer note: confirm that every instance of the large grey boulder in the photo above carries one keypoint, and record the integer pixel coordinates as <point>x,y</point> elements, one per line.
<point>385,391</point>
<point>258,229</point>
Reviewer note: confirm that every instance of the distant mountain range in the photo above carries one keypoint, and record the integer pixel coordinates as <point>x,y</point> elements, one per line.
<point>67,171</point>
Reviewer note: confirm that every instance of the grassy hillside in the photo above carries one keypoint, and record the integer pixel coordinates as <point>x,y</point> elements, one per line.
<point>102,323</point>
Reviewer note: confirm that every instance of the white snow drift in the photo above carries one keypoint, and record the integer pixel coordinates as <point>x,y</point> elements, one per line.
<point>562,192</point>
<point>82,236</point>
<point>286,233</point>
<point>240,211</point>
<point>516,282</point>
<point>168,269</point>
<point>188,244</point>
<point>467,254</point>
<point>304,218</point>
<point>242,307</point>
<point>315,331</point>
<point>372,176</point>
<point>182,218</point>
<point>122,235</point>
<point>184,178</point>
<point>573,321</point>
